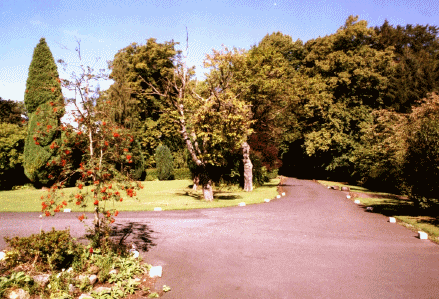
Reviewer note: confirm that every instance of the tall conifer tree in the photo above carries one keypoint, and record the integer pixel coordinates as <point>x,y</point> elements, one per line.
<point>45,106</point>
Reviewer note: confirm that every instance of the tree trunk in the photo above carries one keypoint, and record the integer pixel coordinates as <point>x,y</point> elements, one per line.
<point>196,182</point>
<point>97,228</point>
<point>207,190</point>
<point>248,168</point>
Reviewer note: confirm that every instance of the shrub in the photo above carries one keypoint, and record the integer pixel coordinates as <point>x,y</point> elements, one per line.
<point>52,250</point>
<point>182,174</point>
<point>164,162</point>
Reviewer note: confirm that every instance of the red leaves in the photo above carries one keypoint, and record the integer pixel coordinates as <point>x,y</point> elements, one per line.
<point>47,213</point>
<point>52,89</point>
<point>81,218</point>
<point>106,143</point>
<point>80,186</point>
<point>51,104</point>
<point>125,149</point>
<point>55,109</point>
<point>64,203</point>
<point>66,152</point>
<point>96,202</point>
<point>116,213</point>
<point>53,145</point>
<point>63,163</point>
<point>116,135</point>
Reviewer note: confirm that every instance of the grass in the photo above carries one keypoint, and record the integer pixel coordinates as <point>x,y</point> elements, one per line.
<point>168,195</point>
<point>397,206</point>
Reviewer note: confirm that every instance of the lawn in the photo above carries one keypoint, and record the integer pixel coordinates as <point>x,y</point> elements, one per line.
<point>168,195</point>
<point>393,205</point>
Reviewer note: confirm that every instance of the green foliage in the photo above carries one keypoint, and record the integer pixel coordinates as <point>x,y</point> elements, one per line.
<point>12,138</point>
<point>417,63</point>
<point>12,112</point>
<point>421,168</point>
<point>135,70</point>
<point>379,156</point>
<point>52,250</point>
<point>15,280</point>
<point>164,162</point>
<point>45,105</point>
<point>43,83</point>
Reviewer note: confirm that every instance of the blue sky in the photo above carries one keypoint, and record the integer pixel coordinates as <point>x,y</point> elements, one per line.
<point>106,26</point>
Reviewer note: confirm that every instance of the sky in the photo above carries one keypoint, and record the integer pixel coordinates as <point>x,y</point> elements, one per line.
<point>106,26</point>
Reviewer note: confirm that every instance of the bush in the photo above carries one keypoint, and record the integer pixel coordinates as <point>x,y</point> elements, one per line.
<point>182,174</point>
<point>52,250</point>
<point>164,162</point>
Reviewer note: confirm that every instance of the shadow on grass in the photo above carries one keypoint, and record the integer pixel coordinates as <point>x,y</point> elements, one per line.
<point>394,205</point>
<point>217,195</point>
<point>138,233</point>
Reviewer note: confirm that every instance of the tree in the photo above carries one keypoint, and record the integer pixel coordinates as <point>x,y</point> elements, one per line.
<point>344,79</point>
<point>218,122</point>
<point>105,149</point>
<point>379,156</point>
<point>416,57</point>
<point>12,112</point>
<point>43,100</point>
<point>131,68</point>
<point>12,137</point>
<point>165,163</point>
<point>421,165</point>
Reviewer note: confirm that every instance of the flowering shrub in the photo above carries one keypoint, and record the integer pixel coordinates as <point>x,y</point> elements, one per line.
<point>97,153</point>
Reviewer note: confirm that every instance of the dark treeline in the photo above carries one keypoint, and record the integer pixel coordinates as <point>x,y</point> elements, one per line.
<point>359,105</point>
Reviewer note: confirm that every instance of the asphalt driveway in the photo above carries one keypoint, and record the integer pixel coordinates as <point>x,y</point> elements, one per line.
<point>312,243</point>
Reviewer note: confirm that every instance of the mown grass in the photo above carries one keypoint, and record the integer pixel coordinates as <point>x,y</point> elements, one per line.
<point>393,205</point>
<point>168,195</point>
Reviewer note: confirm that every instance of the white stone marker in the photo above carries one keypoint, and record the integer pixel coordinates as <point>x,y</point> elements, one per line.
<point>157,209</point>
<point>392,220</point>
<point>241,204</point>
<point>283,193</point>
<point>2,255</point>
<point>278,196</point>
<point>67,210</point>
<point>155,271</point>
<point>357,201</point>
<point>266,200</point>
<point>422,235</point>
<point>348,196</point>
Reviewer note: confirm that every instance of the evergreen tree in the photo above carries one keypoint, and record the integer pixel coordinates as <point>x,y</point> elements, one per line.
<point>45,106</point>
<point>165,163</point>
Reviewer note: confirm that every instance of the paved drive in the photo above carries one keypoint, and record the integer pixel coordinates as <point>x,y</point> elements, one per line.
<point>312,243</point>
